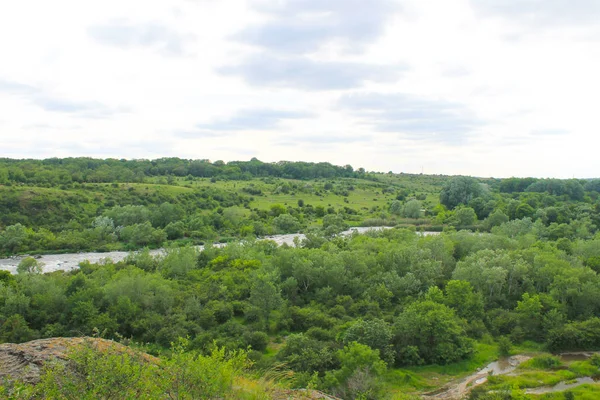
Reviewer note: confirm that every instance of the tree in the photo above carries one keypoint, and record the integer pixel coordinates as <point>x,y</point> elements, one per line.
<point>142,235</point>
<point>128,215</point>
<point>356,378</point>
<point>333,224</point>
<point>14,238</point>
<point>396,207</point>
<point>303,354</point>
<point>412,209</point>
<point>487,271</point>
<point>529,312</point>
<point>460,190</point>
<point>496,218</point>
<point>430,332</point>
<point>376,333</point>
<point>464,216</point>
<point>16,330</point>
<point>29,265</point>
<point>460,296</point>
<point>265,296</point>
<point>504,346</point>
<point>286,223</point>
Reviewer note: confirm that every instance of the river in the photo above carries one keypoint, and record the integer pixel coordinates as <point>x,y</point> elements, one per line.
<point>70,261</point>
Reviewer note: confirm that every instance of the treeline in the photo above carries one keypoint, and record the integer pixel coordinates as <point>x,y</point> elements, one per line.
<point>337,311</point>
<point>62,171</point>
<point>574,189</point>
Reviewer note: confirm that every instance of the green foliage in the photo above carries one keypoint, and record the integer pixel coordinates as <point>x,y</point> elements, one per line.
<point>376,333</point>
<point>412,209</point>
<point>504,346</point>
<point>117,372</point>
<point>411,300</point>
<point>429,332</point>
<point>497,218</point>
<point>265,297</point>
<point>333,224</point>
<point>546,361</point>
<point>584,335</point>
<point>29,265</point>
<point>304,354</point>
<point>396,207</point>
<point>460,296</point>
<point>460,190</point>
<point>464,216</point>
<point>142,235</point>
<point>286,223</point>
<point>359,367</point>
<point>16,330</point>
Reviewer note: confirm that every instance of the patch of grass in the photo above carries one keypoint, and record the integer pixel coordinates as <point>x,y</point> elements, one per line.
<point>402,380</point>
<point>584,368</point>
<point>527,347</point>
<point>431,376</point>
<point>544,361</point>
<point>583,392</point>
<point>530,379</point>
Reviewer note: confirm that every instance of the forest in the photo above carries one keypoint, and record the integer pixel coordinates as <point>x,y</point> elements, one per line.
<point>473,269</point>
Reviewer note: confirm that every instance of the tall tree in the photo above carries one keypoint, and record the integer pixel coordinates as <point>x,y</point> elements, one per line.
<point>460,190</point>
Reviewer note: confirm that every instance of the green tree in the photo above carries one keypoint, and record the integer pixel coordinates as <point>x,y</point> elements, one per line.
<point>265,296</point>
<point>430,332</point>
<point>460,296</point>
<point>376,333</point>
<point>286,223</point>
<point>396,207</point>
<point>304,354</point>
<point>356,378</point>
<point>29,265</point>
<point>14,238</point>
<point>497,218</point>
<point>334,224</point>
<point>464,216</point>
<point>412,209</point>
<point>529,311</point>
<point>16,330</point>
<point>504,346</point>
<point>460,190</point>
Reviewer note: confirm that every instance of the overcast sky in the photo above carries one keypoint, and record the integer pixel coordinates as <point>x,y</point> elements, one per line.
<point>477,87</point>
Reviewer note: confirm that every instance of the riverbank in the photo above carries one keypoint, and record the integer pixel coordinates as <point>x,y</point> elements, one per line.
<point>71,261</point>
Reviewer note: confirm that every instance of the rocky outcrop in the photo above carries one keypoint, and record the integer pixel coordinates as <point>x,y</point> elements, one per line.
<point>25,361</point>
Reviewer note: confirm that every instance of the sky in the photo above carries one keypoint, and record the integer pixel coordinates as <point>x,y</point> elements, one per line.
<point>490,88</point>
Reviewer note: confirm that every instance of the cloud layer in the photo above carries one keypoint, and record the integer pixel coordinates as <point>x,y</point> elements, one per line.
<point>127,35</point>
<point>412,117</point>
<point>304,73</point>
<point>543,12</point>
<point>479,87</point>
<point>254,119</point>
<point>303,26</point>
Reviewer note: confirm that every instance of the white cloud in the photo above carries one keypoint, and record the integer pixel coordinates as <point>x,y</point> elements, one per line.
<point>491,88</point>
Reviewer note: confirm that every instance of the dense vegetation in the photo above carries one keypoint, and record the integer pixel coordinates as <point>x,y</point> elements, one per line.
<point>355,316</point>
<point>61,205</point>
<point>64,205</point>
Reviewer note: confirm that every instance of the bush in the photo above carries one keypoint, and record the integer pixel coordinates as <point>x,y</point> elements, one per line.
<point>504,346</point>
<point>256,340</point>
<point>546,361</point>
<point>121,373</point>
